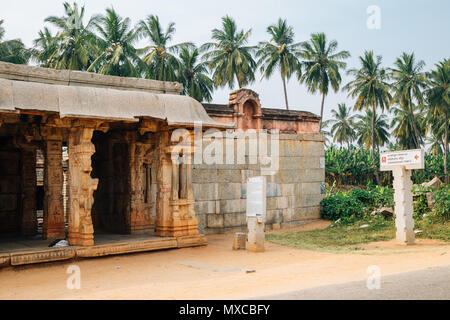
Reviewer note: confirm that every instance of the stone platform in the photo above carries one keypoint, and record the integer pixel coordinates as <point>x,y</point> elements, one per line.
<point>22,251</point>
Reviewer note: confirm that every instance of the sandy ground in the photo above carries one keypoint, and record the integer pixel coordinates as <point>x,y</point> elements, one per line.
<point>215,271</point>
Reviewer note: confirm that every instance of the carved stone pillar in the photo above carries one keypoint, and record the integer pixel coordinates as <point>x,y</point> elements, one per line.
<point>175,216</point>
<point>81,186</point>
<point>140,208</point>
<point>29,219</point>
<point>53,226</point>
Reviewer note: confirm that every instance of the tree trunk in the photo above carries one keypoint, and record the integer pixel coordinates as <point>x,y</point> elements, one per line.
<point>285,92</point>
<point>373,144</point>
<point>237,78</point>
<point>321,112</point>
<point>416,131</point>
<point>446,147</point>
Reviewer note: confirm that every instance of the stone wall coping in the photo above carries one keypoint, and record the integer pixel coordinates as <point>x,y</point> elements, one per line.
<point>81,78</point>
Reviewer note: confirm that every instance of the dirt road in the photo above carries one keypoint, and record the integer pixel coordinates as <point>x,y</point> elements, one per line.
<point>211,272</point>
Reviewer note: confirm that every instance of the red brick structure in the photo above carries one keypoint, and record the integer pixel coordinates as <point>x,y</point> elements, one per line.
<point>244,109</point>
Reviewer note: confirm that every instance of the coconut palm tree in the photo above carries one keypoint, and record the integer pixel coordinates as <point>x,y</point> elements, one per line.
<point>365,130</point>
<point>435,144</point>
<point>326,133</point>
<point>229,57</point>
<point>13,51</point>
<point>280,52</point>
<point>321,65</point>
<point>403,125</point>
<point>45,50</point>
<point>194,75</point>
<point>438,96</point>
<point>342,129</point>
<point>159,56</point>
<point>116,54</point>
<point>75,40</point>
<point>409,82</point>
<point>370,88</point>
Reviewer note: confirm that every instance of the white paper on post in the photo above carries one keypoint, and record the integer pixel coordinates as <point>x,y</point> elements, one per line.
<point>410,159</point>
<point>256,197</point>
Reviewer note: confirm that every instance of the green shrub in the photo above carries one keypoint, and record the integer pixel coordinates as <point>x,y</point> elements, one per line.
<point>342,206</point>
<point>353,205</point>
<point>441,208</point>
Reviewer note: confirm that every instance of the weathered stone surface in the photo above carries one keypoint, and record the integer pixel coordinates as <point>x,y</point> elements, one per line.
<point>5,260</point>
<point>205,191</point>
<point>191,241</point>
<point>203,176</point>
<point>22,258</point>
<point>54,224</point>
<point>435,182</point>
<point>215,220</point>
<point>205,207</point>
<point>312,148</point>
<point>255,237</point>
<point>82,187</point>
<point>233,220</point>
<point>68,77</point>
<point>274,215</point>
<point>239,241</point>
<point>312,175</point>
<point>228,191</point>
<point>232,206</point>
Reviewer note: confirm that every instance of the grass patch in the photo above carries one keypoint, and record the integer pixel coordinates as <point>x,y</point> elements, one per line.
<point>347,237</point>
<point>433,230</point>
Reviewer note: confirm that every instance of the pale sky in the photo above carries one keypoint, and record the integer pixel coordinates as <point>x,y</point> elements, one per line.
<point>406,25</point>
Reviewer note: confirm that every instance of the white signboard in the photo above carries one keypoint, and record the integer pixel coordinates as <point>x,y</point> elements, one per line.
<point>256,197</point>
<point>410,159</point>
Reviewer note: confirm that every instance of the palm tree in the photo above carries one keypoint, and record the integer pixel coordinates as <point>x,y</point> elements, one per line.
<point>75,40</point>
<point>326,133</point>
<point>229,57</point>
<point>403,123</point>
<point>370,88</point>
<point>435,144</point>
<point>279,52</point>
<point>343,125</point>
<point>45,49</point>
<point>116,54</point>
<point>322,66</point>
<point>438,96</point>
<point>159,56</point>
<point>365,128</point>
<point>409,81</point>
<point>194,76</point>
<point>13,51</point>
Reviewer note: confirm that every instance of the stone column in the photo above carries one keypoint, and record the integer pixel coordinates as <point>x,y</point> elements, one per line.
<point>175,217</point>
<point>164,193</point>
<point>403,198</point>
<point>53,226</point>
<point>140,212</point>
<point>29,218</point>
<point>256,236</point>
<point>81,186</point>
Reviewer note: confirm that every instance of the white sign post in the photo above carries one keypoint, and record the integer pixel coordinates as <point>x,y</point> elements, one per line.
<point>401,163</point>
<point>256,213</point>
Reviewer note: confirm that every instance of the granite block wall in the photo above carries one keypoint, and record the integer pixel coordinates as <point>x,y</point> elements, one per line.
<point>294,191</point>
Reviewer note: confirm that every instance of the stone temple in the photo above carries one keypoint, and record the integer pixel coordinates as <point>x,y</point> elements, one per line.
<point>91,158</point>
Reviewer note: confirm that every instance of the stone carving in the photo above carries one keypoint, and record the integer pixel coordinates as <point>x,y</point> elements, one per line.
<point>53,226</point>
<point>81,186</point>
<point>140,208</point>
<point>176,217</point>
